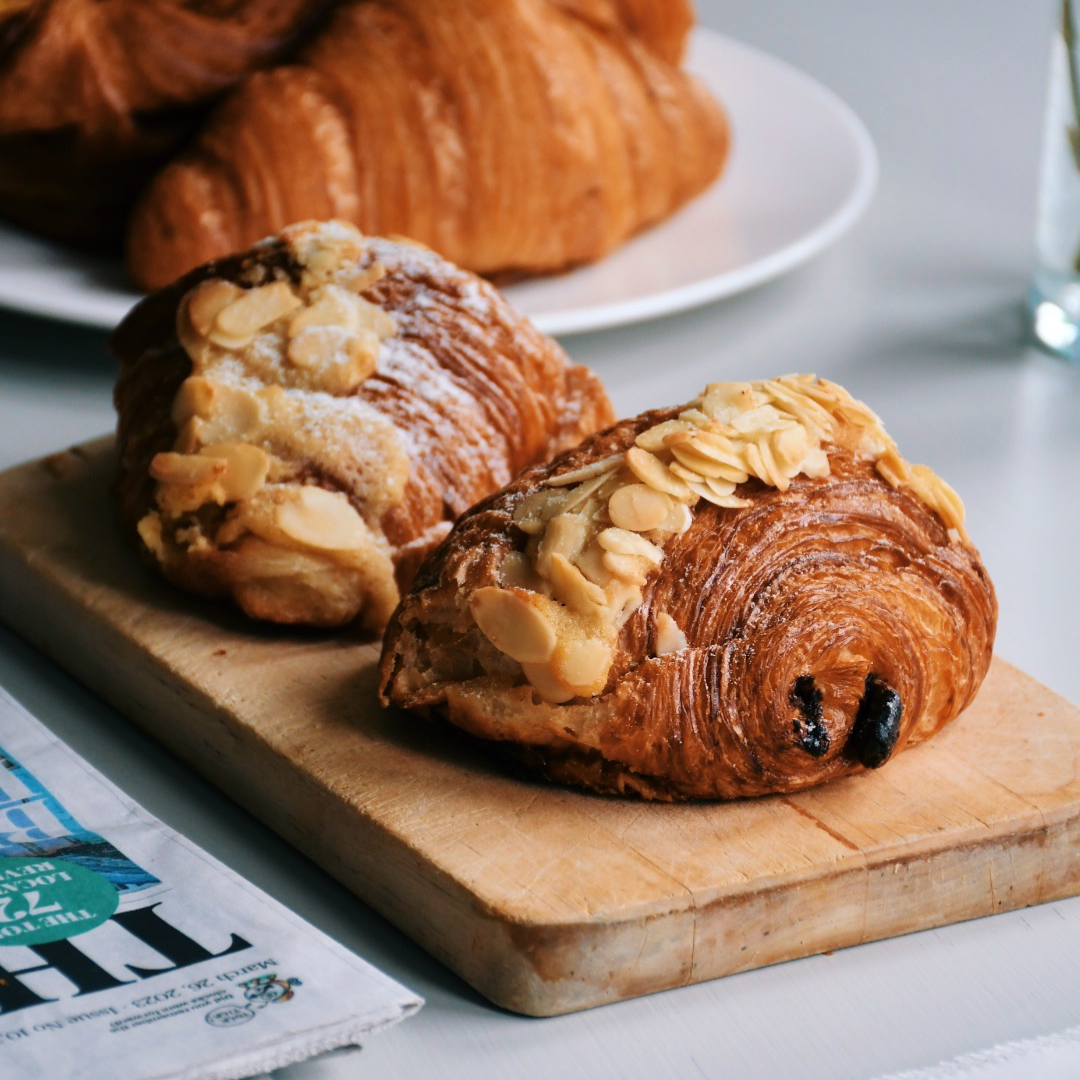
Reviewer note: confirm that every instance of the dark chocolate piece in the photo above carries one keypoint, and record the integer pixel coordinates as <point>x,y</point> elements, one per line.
<point>811,733</point>
<point>877,724</point>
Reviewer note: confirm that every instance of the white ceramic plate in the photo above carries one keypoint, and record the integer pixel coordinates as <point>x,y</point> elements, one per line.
<point>802,170</point>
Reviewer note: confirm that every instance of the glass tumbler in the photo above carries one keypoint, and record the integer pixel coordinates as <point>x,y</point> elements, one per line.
<point>1054,299</point>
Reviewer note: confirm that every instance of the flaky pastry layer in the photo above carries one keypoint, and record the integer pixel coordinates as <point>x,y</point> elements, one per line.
<point>299,425</point>
<point>750,594</point>
<point>514,138</point>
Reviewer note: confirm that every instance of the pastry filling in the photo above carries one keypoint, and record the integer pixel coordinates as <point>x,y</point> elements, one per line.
<point>877,724</point>
<point>596,534</point>
<point>809,725</point>
<point>269,405</point>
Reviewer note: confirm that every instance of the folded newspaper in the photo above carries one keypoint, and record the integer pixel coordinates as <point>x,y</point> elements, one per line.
<point>127,953</point>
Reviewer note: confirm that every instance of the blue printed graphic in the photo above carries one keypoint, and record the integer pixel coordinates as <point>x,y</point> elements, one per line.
<point>34,823</point>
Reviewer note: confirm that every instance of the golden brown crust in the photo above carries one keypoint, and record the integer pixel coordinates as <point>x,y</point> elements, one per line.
<point>664,27</point>
<point>96,94</point>
<point>809,616</point>
<point>468,390</point>
<point>514,138</point>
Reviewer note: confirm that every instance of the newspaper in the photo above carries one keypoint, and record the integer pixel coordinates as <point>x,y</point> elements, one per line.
<point>127,953</point>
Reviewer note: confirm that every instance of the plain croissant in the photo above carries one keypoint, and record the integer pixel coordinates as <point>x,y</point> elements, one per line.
<point>299,425</point>
<point>512,136</point>
<point>750,594</point>
<point>96,94</point>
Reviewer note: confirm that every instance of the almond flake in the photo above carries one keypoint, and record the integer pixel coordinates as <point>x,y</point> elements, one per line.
<point>669,638</point>
<point>649,469</point>
<point>624,542</point>
<point>638,507</point>
<point>586,472</point>
<point>513,623</point>
<point>583,666</point>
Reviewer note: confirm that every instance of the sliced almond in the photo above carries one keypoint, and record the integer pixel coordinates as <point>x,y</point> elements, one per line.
<point>809,413</point>
<point>513,623</point>
<point>654,439</point>
<point>234,415</point>
<point>172,468</point>
<point>722,400</point>
<point>149,528</point>
<point>583,665</point>
<point>771,472</point>
<point>683,473</point>
<point>938,496</point>
<point>189,436</point>
<point>676,438</point>
<point>206,301</point>
<point>894,469</point>
<point>565,535</point>
<point>858,414</point>
<point>547,684</point>
<point>669,638</point>
<point>238,322</point>
<point>754,464</point>
<point>840,405</point>
<point>573,589</point>
<point>649,469</point>
<point>630,569</point>
<point>720,487</point>
<point>591,563</point>
<point>753,423</point>
<point>537,509</point>
<point>272,398</point>
<point>734,475</point>
<point>375,319</point>
<point>313,346</point>
<point>321,519</point>
<point>586,472</point>
<point>340,359</point>
<point>334,307</point>
<point>194,398</point>
<point>363,351</point>
<point>721,449</point>
<point>678,521</point>
<point>696,418</point>
<point>729,502</point>
<point>816,463</point>
<point>586,494</point>
<point>361,280</point>
<point>624,542</point>
<point>246,472</point>
<point>325,256</point>
<point>638,507</point>
<point>624,597</point>
<point>790,446</point>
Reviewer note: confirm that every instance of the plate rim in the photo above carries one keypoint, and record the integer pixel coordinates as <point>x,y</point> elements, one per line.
<point>766,268</point>
<point>99,312</point>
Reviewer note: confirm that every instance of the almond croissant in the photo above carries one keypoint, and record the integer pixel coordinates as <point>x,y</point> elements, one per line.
<point>299,425</point>
<point>95,94</point>
<point>751,594</point>
<point>512,136</point>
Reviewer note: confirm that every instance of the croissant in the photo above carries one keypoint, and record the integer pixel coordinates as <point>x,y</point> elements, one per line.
<point>662,25</point>
<point>750,594</point>
<point>513,136</point>
<point>96,94</point>
<point>299,425</point>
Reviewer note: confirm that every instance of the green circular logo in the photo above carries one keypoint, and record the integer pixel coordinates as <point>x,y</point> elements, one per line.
<point>48,899</point>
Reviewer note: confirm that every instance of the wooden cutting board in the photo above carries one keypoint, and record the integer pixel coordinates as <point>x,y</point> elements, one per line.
<point>545,900</point>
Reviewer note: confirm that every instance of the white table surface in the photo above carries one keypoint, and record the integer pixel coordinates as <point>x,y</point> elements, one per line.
<point>918,311</point>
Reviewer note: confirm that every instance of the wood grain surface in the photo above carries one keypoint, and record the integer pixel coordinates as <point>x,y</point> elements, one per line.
<point>545,900</point>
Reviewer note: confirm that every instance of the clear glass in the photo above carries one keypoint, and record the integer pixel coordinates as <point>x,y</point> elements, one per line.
<point>1054,300</point>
